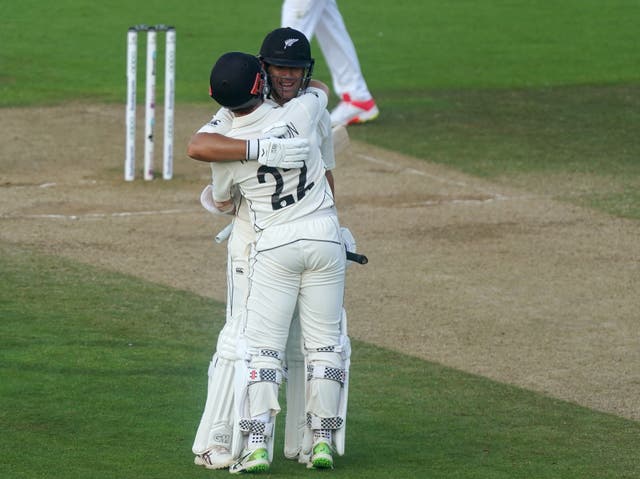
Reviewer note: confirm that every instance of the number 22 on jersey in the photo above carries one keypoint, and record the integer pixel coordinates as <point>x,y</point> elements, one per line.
<point>283,196</point>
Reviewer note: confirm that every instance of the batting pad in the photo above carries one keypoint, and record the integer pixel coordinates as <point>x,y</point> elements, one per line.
<point>327,391</point>
<point>257,378</point>
<point>295,418</point>
<point>215,428</point>
<point>295,421</point>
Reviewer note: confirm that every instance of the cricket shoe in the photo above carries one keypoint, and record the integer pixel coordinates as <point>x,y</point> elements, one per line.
<point>349,112</point>
<point>216,458</point>
<point>321,456</point>
<point>255,460</point>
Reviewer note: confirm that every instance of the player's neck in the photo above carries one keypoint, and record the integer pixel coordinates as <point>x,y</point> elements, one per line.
<point>246,111</point>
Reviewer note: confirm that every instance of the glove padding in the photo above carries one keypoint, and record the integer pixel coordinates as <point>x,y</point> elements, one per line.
<point>282,153</point>
<point>278,130</point>
<point>274,149</point>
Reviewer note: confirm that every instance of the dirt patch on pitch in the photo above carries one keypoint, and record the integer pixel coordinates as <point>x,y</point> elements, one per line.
<point>477,276</point>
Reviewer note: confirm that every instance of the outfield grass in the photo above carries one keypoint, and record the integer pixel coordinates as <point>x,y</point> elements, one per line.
<point>69,49</point>
<point>104,376</point>
<point>499,89</point>
<point>574,143</point>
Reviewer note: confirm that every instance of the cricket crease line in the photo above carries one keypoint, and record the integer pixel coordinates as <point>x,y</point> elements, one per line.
<point>120,214</point>
<point>441,179</point>
<point>465,201</point>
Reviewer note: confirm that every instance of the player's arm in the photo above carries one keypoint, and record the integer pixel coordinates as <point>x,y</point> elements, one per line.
<point>210,144</point>
<point>221,195</point>
<point>212,147</point>
<point>329,176</point>
<point>326,148</point>
<point>276,152</point>
<point>313,83</point>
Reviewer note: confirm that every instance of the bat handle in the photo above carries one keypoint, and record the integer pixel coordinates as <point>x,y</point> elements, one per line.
<point>224,234</point>
<point>358,258</point>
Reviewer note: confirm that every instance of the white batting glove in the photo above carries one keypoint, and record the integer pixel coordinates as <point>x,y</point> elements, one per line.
<point>277,130</point>
<point>209,204</point>
<point>279,152</point>
<point>348,240</point>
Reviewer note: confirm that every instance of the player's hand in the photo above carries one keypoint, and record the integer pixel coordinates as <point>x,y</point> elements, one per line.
<point>279,152</point>
<point>348,240</point>
<point>283,153</point>
<point>277,130</point>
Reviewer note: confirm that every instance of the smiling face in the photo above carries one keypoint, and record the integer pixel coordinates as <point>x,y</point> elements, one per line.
<point>285,82</point>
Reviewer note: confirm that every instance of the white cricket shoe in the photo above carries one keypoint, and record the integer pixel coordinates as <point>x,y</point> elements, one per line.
<point>217,458</point>
<point>351,111</point>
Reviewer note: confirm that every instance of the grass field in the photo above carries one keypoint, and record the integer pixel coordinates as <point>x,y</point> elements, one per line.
<point>104,375</point>
<point>502,89</point>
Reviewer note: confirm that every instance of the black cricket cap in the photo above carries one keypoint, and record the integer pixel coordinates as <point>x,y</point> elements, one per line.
<point>236,81</point>
<point>286,47</point>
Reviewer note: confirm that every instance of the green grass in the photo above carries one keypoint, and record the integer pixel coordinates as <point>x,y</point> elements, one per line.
<point>70,49</point>
<point>577,143</point>
<point>105,376</point>
<point>501,89</point>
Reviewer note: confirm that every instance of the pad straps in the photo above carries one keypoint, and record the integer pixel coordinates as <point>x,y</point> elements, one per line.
<point>315,371</point>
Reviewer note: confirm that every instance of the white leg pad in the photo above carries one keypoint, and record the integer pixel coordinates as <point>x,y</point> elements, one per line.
<point>339,435</point>
<point>256,386</point>
<point>215,428</point>
<point>328,392</point>
<point>296,418</point>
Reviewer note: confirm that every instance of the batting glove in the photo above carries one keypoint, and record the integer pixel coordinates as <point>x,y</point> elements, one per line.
<point>279,152</point>
<point>348,241</point>
<point>278,130</point>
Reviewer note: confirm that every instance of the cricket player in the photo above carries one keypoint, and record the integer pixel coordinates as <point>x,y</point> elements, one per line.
<point>212,440</point>
<point>297,260</point>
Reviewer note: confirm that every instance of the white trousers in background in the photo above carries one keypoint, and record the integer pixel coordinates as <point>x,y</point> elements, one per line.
<point>322,18</point>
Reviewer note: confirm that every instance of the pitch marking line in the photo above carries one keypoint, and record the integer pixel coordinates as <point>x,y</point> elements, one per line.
<point>413,171</point>
<point>121,214</point>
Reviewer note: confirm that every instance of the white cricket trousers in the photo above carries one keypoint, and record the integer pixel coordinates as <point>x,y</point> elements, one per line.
<point>322,18</point>
<point>308,270</point>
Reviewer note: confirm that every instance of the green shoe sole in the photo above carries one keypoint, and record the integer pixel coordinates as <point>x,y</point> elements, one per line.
<point>258,468</point>
<point>322,463</point>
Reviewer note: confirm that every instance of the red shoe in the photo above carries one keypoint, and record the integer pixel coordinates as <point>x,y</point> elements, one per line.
<point>350,111</point>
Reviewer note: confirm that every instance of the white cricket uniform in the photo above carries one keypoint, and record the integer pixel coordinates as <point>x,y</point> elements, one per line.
<point>297,259</point>
<point>322,18</point>
<point>215,428</point>
<point>298,255</point>
<point>243,234</point>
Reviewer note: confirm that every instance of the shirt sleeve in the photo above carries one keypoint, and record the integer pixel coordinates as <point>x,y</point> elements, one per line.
<point>314,100</point>
<point>325,133</point>
<point>221,181</point>
<point>220,123</point>
<point>304,112</point>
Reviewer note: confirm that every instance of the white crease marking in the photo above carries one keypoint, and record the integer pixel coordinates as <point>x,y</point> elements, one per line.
<point>120,214</point>
<point>433,177</point>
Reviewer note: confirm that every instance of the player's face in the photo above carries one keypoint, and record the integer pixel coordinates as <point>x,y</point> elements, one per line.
<point>286,81</point>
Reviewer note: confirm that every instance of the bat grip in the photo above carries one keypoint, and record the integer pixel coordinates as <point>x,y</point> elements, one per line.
<point>358,258</point>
